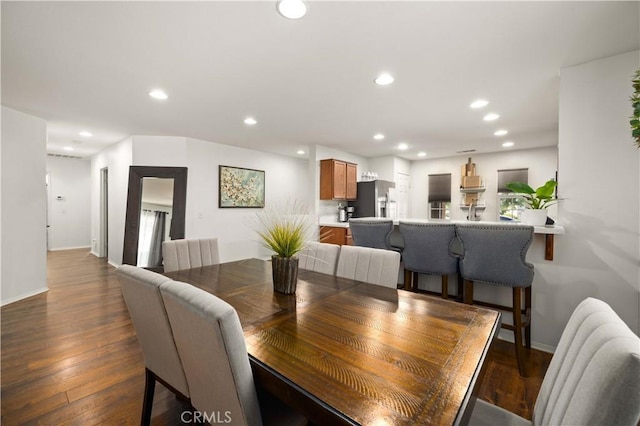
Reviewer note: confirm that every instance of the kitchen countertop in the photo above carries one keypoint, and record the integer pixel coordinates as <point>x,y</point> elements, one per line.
<point>548,229</point>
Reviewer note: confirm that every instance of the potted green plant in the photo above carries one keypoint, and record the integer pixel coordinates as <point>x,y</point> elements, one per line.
<point>635,104</point>
<point>537,201</point>
<point>285,231</point>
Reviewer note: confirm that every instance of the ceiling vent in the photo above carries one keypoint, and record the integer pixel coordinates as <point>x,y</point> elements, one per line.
<point>73,157</point>
<point>465,151</point>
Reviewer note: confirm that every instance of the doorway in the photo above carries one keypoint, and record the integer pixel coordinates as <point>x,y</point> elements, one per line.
<point>103,243</point>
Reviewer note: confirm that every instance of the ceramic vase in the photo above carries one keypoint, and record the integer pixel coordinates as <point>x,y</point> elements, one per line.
<point>285,274</point>
<point>534,217</point>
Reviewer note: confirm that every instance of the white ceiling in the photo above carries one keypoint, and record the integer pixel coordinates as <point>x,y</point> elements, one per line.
<point>90,66</point>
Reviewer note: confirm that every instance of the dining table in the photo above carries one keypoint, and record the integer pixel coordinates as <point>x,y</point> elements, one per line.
<point>341,351</point>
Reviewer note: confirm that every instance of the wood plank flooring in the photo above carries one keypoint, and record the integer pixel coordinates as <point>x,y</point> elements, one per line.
<point>70,356</point>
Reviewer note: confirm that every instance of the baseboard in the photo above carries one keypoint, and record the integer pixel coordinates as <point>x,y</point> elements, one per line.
<point>115,265</point>
<point>69,248</point>
<point>507,336</point>
<point>23,296</point>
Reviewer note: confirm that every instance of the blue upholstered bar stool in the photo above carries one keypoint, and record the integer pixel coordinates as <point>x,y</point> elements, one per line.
<point>371,232</point>
<point>496,254</point>
<point>428,250</point>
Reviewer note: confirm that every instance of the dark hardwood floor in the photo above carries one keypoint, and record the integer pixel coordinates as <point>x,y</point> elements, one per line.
<point>70,356</point>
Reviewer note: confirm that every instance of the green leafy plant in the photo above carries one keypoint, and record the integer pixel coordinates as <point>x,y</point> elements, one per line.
<point>635,104</point>
<point>539,198</point>
<point>286,230</point>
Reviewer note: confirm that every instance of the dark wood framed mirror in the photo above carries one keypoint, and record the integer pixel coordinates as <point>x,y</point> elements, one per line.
<point>137,176</point>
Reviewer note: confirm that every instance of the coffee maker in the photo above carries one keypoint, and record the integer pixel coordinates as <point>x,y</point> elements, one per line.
<point>350,211</point>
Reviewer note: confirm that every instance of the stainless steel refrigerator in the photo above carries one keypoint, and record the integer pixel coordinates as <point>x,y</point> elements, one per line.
<point>376,198</point>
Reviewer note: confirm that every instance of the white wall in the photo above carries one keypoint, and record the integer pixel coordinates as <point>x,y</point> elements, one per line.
<point>600,177</point>
<point>117,159</point>
<point>69,203</point>
<point>541,162</point>
<point>286,178</point>
<point>24,256</point>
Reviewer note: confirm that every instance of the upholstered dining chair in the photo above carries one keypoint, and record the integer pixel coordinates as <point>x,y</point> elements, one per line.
<point>211,344</point>
<point>192,253</point>
<point>428,250</point>
<point>371,232</point>
<point>319,257</point>
<point>141,291</point>
<point>496,255</point>
<point>370,265</point>
<point>593,377</point>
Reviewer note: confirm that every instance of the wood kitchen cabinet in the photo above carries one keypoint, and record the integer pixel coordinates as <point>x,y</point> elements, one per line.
<point>336,235</point>
<point>338,180</point>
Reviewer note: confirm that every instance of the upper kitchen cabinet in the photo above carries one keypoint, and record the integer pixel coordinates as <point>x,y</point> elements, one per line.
<point>338,180</point>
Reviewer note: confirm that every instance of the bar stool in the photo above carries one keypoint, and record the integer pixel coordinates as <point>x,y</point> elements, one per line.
<point>428,250</point>
<point>495,254</point>
<point>370,232</point>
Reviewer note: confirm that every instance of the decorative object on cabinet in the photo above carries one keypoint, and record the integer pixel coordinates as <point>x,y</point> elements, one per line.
<point>240,187</point>
<point>537,201</point>
<point>286,231</point>
<point>635,103</point>
<point>471,187</point>
<point>338,180</point>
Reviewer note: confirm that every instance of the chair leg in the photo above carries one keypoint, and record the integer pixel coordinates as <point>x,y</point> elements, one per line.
<point>517,324</point>
<point>445,287</point>
<point>407,280</point>
<point>147,402</point>
<point>460,288</point>
<point>468,292</point>
<point>527,309</point>
<point>415,280</point>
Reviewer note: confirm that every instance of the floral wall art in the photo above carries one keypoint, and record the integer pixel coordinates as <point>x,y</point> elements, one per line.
<point>240,187</point>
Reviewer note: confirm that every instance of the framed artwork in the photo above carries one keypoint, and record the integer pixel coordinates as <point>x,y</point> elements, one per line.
<point>240,187</point>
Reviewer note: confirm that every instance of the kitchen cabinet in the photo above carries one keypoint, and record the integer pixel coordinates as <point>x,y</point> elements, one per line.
<point>336,235</point>
<point>338,180</point>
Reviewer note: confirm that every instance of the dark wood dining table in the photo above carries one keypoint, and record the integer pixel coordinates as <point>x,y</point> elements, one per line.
<point>346,352</point>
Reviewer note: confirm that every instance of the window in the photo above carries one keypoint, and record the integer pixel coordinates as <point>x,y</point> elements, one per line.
<point>440,196</point>
<point>510,204</point>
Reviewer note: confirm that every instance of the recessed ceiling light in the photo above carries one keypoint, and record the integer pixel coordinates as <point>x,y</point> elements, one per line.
<point>292,9</point>
<point>507,144</point>
<point>403,146</point>
<point>158,94</point>
<point>300,152</point>
<point>500,132</point>
<point>384,79</point>
<point>85,134</point>
<point>378,136</point>
<point>68,148</point>
<point>422,154</point>
<point>250,121</point>
<point>491,116</point>
<point>479,103</point>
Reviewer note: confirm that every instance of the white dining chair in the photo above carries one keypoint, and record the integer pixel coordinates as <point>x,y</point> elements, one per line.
<point>593,377</point>
<point>370,265</point>
<point>191,253</point>
<point>319,257</point>
<point>211,344</point>
<point>141,291</point>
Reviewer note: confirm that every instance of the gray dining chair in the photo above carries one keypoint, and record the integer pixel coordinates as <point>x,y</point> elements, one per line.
<point>593,377</point>
<point>369,265</point>
<point>428,250</point>
<point>191,253</point>
<point>371,232</point>
<point>141,291</point>
<point>319,257</point>
<point>496,255</point>
<point>211,344</point>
